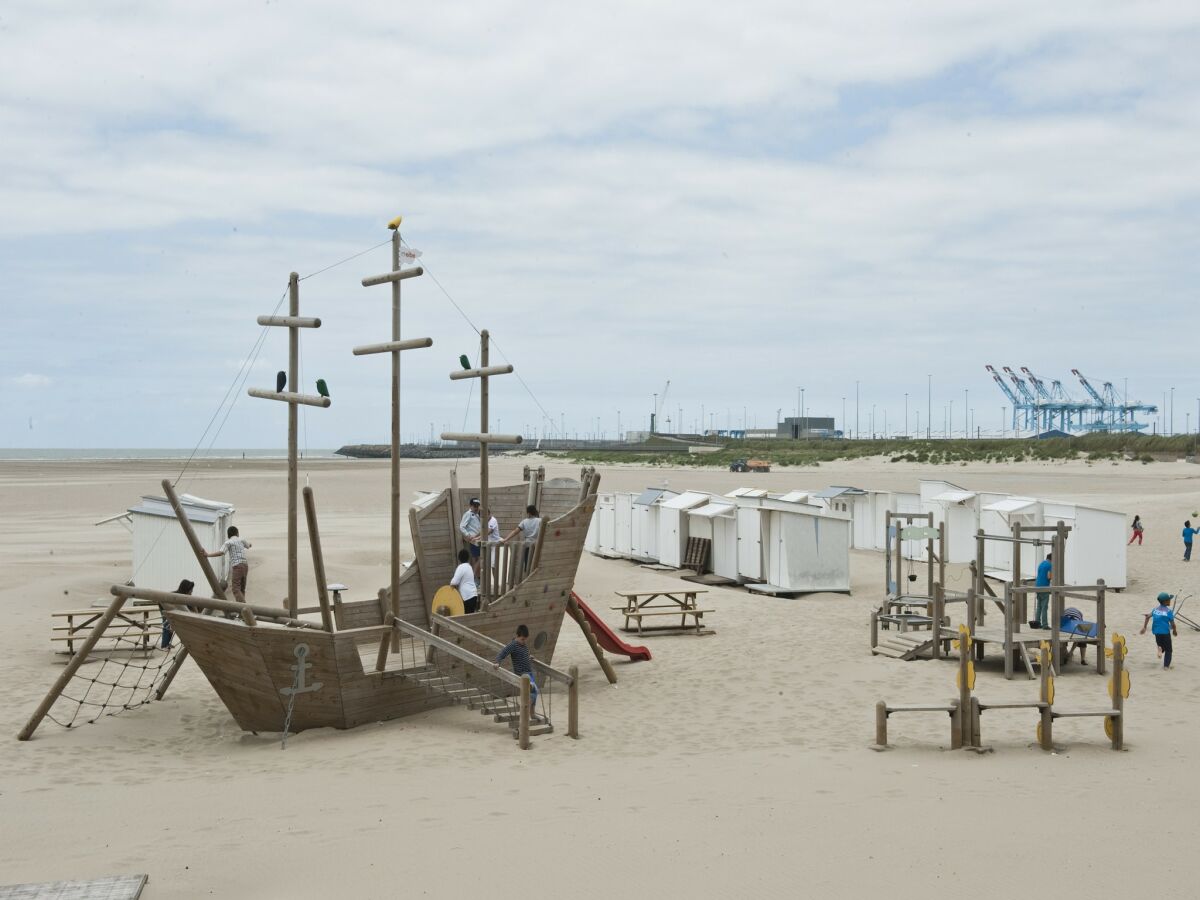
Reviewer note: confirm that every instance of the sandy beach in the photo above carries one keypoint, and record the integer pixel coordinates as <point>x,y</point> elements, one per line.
<point>736,764</point>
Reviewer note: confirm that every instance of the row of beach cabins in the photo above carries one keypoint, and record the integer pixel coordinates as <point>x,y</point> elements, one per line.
<point>800,542</point>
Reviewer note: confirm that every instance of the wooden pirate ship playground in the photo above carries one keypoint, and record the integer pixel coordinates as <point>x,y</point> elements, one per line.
<point>396,654</point>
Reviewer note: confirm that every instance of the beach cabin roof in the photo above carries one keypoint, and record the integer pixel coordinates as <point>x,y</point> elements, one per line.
<point>807,509</point>
<point>955,496</point>
<point>747,492</point>
<point>1011,505</point>
<point>794,497</point>
<point>838,490</point>
<point>650,496</point>
<point>686,500</point>
<point>197,508</point>
<point>714,509</point>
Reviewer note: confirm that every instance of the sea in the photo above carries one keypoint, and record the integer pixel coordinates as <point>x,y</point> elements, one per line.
<point>95,453</point>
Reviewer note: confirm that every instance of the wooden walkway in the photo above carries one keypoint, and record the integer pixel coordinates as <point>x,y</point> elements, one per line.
<point>111,887</point>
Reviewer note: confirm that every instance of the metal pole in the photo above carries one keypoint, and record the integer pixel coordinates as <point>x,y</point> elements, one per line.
<point>856,410</point>
<point>929,409</point>
<point>294,385</point>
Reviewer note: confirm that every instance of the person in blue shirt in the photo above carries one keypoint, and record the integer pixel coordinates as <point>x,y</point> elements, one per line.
<point>1188,533</point>
<point>1041,617</point>
<point>1163,619</point>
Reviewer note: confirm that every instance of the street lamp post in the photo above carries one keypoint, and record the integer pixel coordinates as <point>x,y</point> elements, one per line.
<point>929,408</point>
<point>906,413</point>
<point>856,410</point>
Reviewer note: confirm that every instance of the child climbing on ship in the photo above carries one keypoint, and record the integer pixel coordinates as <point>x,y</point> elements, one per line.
<point>518,649</point>
<point>239,569</point>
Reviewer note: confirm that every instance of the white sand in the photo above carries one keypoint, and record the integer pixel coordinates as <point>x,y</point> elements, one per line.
<point>730,765</point>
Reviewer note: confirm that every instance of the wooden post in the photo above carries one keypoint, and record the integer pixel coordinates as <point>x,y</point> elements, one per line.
<point>523,722</point>
<point>875,630</point>
<point>881,717</point>
<point>384,643</point>
<point>1008,632</point>
<point>976,724</point>
<point>1101,631</point>
<point>314,539</point>
<point>394,546</point>
<point>293,413</point>
<point>938,612</point>
<point>1118,698</point>
<point>576,613</point>
<point>573,703</point>
<point>887,556</point>
<point>966,710</point>
<point>941,553</point>
<point>1017,581</point>
<point>929,561</point>
<point>68,673</point>
<point>181,514</point>
<point>979,561</point>
<point>1047,710</point>
<point>899,556</point>
<point>956,717</point>
<point>1057,579</point>
<point>484,501</point>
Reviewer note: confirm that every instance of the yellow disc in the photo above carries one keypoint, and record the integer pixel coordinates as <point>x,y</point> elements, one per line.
<point>395,223</point>
<point>954,644</point>
<point>1125,683</point>
<point>1039,731</point>
<point>970,675</point>
<point>1050,690</point>
<point>962,629</point>
<point>958,679</point>
<point>1044,645</point>
<point>1108,726</point>
<point>448,602</point>
<point>1108,652</point>
<point>1110,681</point>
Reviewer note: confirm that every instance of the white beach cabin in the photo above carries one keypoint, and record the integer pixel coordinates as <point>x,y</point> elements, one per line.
<point>958,508</point>
<point>1095,545</point>
<point>673,526</point>
<point>997,517</point>
<point>162,556</point>
<point>623,524</point>
<point>645,523</point>
<point>804,551</point>
<point>601,536</point>
<point>717,521</point>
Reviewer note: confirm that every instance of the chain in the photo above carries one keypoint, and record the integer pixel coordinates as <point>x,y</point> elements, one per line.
<point>287,722</point>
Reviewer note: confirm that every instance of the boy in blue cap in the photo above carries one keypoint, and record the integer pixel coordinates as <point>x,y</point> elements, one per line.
<point>1163,618</point>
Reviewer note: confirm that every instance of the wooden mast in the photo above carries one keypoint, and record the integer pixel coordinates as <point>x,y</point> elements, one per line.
<point>395,347</point>
<point>293,398</point>
<point>483,437</point>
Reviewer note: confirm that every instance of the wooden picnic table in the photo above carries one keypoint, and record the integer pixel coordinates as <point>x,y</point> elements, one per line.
<point>682,603</point>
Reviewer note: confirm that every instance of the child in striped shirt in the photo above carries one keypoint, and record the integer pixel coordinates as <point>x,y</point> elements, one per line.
<point>518,649</point>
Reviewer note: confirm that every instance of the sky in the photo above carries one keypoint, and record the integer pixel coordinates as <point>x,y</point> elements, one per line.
<point>743,200</point>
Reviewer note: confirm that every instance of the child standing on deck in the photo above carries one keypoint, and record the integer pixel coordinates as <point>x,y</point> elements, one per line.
<point>518,649</point>
<point>1163,618</point>
<point>239,569</point>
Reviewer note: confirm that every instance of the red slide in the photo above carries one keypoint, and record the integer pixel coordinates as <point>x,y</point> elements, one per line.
<point>606,637</point>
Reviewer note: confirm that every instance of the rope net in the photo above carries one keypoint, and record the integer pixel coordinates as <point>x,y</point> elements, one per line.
<point>123,671</point>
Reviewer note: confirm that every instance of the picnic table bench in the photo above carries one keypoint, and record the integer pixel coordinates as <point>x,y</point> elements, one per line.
<point>137,624</point>
<point>639,604</point>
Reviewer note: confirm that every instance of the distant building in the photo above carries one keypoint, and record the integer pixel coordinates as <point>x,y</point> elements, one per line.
<point>796,427</point>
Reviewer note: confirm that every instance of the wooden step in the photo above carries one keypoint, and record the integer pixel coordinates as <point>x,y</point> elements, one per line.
<point>1078,713</point>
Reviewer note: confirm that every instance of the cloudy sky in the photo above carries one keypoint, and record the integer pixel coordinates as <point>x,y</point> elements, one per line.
<point>743,199</point>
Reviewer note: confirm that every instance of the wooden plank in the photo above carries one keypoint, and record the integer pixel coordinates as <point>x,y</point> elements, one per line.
<point>110,887</point>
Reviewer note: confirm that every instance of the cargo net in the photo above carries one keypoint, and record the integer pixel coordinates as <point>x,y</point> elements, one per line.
<point>123,671</point>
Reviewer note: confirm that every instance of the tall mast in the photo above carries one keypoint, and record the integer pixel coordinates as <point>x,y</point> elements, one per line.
<point>395,347</point>
<point>483,438</point>
<point>293,398</point>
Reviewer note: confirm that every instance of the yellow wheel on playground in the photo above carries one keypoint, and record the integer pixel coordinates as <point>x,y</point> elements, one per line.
<point>954,643</point>
<point>1126,684</point>
<point>1050,690</point>
<point>447,602</point>
<point>1044,645</point>
<point>1108,727</point>
<point>1110,687</point>
<point>1039,731</point>
<point>970,675</point>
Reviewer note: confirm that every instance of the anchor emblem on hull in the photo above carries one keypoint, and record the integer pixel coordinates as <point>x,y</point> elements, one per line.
<point>300,668</point>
